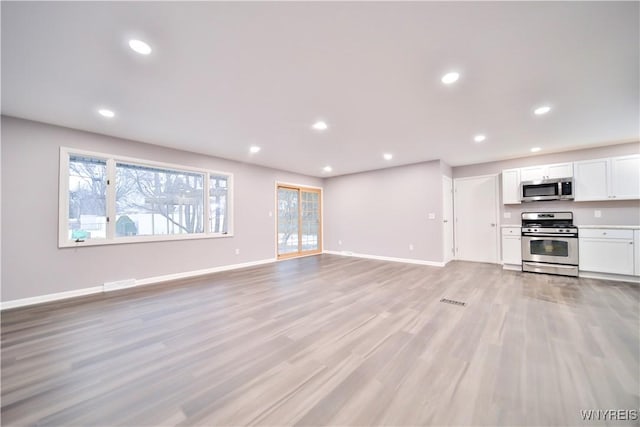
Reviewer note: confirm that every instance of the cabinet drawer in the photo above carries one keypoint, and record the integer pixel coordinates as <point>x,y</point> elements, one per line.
<point>511,231</point>
<point>606,233</point>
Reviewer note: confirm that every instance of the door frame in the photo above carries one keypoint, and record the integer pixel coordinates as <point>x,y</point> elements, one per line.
<point>320,190</point>
<point>451,256</point>
<point>496,177</point>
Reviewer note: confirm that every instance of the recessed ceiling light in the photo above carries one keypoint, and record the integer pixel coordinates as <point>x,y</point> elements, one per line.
<point>320,125</point>
<point>544,109</point>
<point>254,149</point>
<point>387,156</point>
<point>139,46</point>
<point>327,168</point>
<point>106,113</point>
<point>535,149</point>
<point>479,138</point>
<point>450,78</point>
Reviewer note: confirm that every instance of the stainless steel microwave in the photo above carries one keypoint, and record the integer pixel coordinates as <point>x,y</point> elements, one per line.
<point>546,189</point>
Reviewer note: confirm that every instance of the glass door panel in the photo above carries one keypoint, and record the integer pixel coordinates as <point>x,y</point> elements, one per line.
<point>288,221</point>
<point>310,221</point>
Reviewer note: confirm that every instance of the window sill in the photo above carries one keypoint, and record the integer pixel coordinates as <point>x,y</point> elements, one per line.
<point>140,239</point>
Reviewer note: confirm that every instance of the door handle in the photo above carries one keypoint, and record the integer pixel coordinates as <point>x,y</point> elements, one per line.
<point>493,224</point>
<point>445,220</point>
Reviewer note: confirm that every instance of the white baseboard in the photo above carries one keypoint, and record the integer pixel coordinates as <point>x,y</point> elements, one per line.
<point>195,273</point>
<point>4,305</point>
<point>608,276</point>
<point>118,284</point>
<point>512,267</point>
<point>386,258</point>
<point>126,284</point>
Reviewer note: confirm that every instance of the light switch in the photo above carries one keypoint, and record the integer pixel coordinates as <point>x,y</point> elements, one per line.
<point>432,215</point>
<point>507,215</point>
<point>597,214</point>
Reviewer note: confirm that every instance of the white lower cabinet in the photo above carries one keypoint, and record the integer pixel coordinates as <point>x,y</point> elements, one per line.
<point>636,252</point>
<point>511,246</point>
<point>604,250</point>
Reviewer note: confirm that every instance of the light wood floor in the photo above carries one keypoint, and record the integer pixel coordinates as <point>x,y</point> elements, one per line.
<point>328,340</point>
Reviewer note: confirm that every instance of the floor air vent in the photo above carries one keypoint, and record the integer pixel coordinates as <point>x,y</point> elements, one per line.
<point>450,301</point>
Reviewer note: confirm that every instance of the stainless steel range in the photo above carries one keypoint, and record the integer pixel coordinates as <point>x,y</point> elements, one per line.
<point>549,243</point>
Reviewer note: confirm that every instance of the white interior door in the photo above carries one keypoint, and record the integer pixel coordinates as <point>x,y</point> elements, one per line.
<point>447,218</point>
<point>476,225</point>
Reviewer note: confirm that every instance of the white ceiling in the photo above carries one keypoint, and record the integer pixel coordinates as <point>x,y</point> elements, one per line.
<point>224,76</point>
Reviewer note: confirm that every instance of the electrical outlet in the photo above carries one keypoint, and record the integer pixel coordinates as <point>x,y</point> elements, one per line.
<point>597,214</point>
<point>237,251</point>
<point>270,214</point>
<point>410,246</point>
<point>432,215</point>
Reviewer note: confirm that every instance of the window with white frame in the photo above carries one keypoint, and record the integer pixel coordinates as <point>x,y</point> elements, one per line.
<point>87,198</point>
<point>111,199</point>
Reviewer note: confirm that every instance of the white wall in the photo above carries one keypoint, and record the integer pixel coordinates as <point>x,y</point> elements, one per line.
<point>383,212</point>
<point>32,263</point>
<point>377,213</point>
<point>614,212</point>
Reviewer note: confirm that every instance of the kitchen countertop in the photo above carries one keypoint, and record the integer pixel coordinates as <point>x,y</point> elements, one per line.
<point>617,227</point>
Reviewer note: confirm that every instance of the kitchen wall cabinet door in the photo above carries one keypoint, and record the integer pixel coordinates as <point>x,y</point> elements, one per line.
<point>511,246</point>
<point>616,178</point>
<point>606,251</point>
<point>591,180</point>
<point>511,186</point>
<point>557,170</point>
<point>625,177</point>
<point>532,173</point>
<point>560,170</point>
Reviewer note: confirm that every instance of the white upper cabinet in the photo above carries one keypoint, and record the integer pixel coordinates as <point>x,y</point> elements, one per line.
<point>558,170</point>
<point>616,178</point>
<point>591,180</point>
<point>510,186</point>
<point>533,173</point>
<point>625,177</point>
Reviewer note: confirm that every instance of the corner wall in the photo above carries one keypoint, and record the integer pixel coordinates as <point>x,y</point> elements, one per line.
<point>382,212</point>
<point>32,263</point>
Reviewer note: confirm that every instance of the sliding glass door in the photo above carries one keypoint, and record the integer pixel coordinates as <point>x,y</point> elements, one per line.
<point>299,221</point>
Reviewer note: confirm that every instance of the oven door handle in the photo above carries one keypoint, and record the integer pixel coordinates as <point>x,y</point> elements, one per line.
<point>558,236</point>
